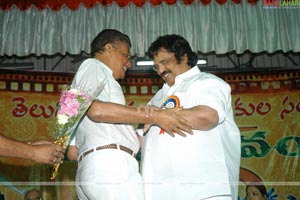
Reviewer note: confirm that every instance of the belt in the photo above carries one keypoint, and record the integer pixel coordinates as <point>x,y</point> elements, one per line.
<point>109,146</point>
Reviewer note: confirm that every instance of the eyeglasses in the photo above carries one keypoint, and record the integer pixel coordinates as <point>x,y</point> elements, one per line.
<point>125,54</point>
<point>163,62</point>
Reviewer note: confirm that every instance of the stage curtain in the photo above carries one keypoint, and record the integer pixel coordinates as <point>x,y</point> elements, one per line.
<point>209,28</point>
<point>74,4</point>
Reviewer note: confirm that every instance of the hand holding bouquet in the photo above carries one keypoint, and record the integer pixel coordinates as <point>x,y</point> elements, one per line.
<point>73,105</point>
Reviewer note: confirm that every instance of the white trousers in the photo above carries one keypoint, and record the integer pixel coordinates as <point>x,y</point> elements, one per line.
<point>109,174</point>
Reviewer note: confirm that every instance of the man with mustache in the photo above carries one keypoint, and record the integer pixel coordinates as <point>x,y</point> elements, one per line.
<point>204,165</point>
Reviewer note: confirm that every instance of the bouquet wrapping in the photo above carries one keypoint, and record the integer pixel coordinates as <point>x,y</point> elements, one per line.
<point>72,106</point>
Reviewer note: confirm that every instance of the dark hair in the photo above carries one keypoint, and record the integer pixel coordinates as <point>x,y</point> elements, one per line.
<point>259,186</point>
<point>175,44</point>
<point>26,196</point>
<point>108,36</point>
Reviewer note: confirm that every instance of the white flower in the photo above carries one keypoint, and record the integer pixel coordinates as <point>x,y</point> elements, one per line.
<point>62,119</point>
<point>74,91</point>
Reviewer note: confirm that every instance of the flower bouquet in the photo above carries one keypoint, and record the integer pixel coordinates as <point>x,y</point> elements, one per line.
<point>73,105</point>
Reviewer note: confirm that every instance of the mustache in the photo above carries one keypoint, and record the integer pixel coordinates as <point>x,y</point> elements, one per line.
<point>164,73</point>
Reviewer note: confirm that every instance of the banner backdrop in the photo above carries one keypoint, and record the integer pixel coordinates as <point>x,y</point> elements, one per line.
<point>266,108</point>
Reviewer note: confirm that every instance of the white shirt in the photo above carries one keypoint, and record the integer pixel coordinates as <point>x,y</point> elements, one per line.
<point>90,134</point>
<point>201,165</point>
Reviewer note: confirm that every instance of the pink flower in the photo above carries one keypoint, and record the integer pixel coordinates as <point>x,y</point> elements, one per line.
<point>69,104</point>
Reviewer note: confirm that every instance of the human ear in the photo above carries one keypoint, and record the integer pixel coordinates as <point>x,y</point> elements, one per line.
<point>108,47</point>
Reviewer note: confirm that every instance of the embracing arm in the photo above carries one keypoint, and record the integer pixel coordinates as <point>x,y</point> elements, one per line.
<point>201,117</point>
<point>115,113</point>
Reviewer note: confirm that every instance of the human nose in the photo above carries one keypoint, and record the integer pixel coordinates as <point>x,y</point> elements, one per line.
<point>128,64</point>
